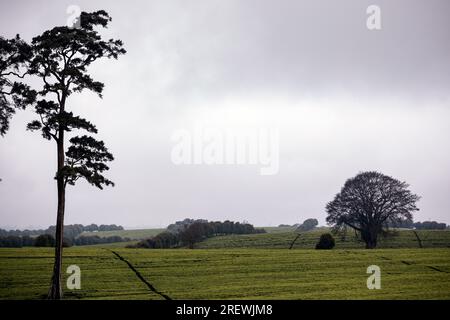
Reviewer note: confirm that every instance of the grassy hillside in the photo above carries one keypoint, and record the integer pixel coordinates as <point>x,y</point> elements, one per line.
<point>231,273</point>
<point>308,240</point>
<point>136,234</point>
<point>281,238</point>
<point>278,229</point>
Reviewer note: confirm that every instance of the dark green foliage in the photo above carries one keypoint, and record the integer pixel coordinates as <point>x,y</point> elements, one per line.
<point>11,242</point>
<point>64,54</point>
<point>163,240</point>
<point>44,240</point>
<point>183,224</point>
<point>307,225</point>
<point>93,227</point>
<point>27,241</point>
<point>60,58</point>
<point>67,242</point>
<point>195,232</point>
<point>401,223</point>
<point>53,119</point>
<point>91,240</point>
<point>430,225</point>
<point>14,94</point>
<point>326,241</point>
<point>104,227</point>
<point>71,231</point>
<point>190,231</point>
<point>86,159</point>
<point>47,240</point>
<point>369,203</point>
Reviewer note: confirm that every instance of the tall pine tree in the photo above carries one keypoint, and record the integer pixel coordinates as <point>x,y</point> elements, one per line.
<point>59,58</point>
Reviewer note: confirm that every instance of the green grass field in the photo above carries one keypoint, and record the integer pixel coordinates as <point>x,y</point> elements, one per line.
<point>231,273</point>
<point>282,239</point>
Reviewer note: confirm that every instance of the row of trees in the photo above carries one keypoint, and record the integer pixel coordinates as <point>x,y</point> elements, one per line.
<point>195,231</point>
<point>90,240</point>
<point>430,225</point>
<point>70,231</point>
<point>425,225</point>
<point>179,226</point>
<point>311,224</point>
<point>16,241</point>
<point>47,240</point>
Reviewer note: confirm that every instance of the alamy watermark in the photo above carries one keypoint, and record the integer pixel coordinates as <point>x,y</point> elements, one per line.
<point>74,280</point>
<point>373,21</point>
<point>227,146</point>
<point>73,20</point>
<point>374,280</point>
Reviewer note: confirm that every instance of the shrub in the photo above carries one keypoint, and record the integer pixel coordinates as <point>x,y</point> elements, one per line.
<point>11,242</point>
<point>326,241</point>
<point>67,242</point>
<point>307,225</point>
<point>44,240</point>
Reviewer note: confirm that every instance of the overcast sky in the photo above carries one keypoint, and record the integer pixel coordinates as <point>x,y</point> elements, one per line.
<point>343,98</point>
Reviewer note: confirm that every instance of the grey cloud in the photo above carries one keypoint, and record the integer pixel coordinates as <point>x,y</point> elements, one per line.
<point>377,100</point>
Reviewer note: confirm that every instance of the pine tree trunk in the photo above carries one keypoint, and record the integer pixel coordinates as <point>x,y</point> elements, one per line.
<point>55,291</point>
<point>56,288</point>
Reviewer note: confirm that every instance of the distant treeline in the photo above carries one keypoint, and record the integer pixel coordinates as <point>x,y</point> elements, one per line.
<point>425,225</point>
<point>310,224</point>
<point>43,237</point>
<point>189,231</point>
<point>47,240</point>
<point>429,225</point>
<point>70,231</point>
<point>89,240</point>
<point>16,241</point>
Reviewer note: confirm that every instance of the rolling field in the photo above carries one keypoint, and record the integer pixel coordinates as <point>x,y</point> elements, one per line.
<point>281,238</point>
<point>308,240</point>
<point>230,273</point>
<point>139,234</point>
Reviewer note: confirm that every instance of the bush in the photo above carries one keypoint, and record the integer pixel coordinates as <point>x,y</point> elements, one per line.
<point>11,242</point>
<point>67,242</point>
<point>44,240</point>
<point>90,240</point>
<point>326,241</point>
<point>307,225</point>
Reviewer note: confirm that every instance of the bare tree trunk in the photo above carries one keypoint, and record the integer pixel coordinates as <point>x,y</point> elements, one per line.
<point>55,291</point>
